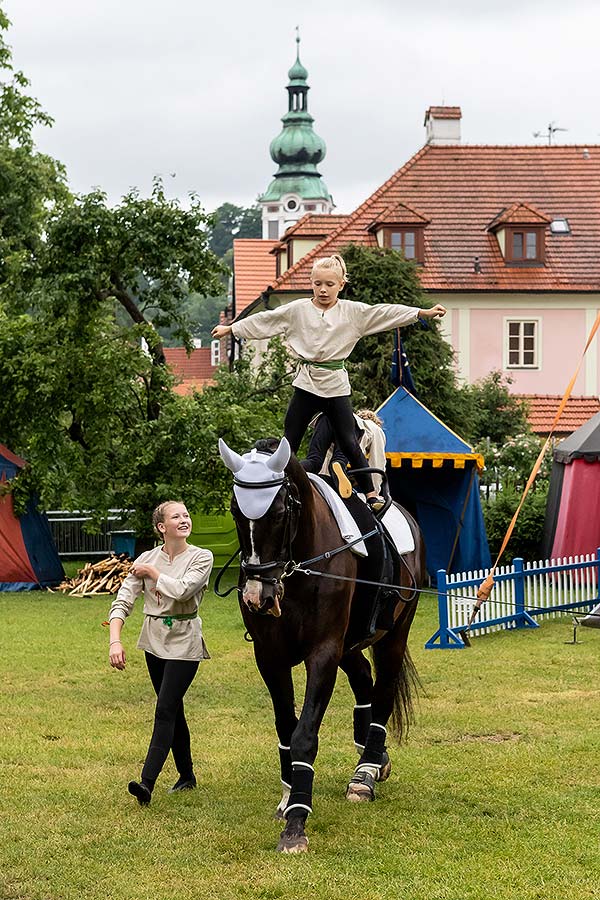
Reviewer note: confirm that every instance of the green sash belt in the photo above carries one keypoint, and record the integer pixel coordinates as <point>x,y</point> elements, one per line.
<point>332,364</point>
<point>168,620</point>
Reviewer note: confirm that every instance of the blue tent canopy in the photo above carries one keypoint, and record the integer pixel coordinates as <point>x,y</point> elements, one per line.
<point>434,474</point>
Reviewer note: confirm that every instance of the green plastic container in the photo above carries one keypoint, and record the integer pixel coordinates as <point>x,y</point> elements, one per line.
<point>216,533</point>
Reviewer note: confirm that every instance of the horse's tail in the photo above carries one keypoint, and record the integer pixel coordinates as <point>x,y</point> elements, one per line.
<point>405,686</point>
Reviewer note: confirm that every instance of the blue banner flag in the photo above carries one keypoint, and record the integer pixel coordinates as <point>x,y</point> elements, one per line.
<point>400,373</point>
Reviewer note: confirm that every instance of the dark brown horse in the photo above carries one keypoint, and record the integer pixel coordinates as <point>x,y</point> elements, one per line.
<point>281,518</point>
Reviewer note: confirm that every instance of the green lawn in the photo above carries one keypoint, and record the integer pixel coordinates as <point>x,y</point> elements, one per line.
<point>495,794</point>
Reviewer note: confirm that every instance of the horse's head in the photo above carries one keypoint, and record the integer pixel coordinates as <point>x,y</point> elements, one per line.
<point>264,506</point>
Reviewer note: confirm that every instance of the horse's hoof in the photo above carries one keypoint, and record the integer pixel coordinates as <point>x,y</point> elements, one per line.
<point>296,843</point>
<point>361,788</point>
<point>386,768</point>
<point>279,816</point>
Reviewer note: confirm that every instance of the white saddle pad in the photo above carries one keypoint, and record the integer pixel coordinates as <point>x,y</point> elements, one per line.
<point>397,527</point>
<point>399,530</point>
<point>348,527</point>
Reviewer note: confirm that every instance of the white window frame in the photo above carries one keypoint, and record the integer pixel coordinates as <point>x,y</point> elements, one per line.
<point>521,320</point>
<point>215,353</point>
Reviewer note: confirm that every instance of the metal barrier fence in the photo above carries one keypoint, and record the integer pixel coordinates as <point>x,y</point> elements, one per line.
<point>522,592</point>
<point>72,541</point>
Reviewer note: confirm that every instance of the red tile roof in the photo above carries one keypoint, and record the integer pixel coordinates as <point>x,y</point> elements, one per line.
<point>444,112</point>
<point>519,214</point>
<point>401,214</point>
<point>461,189</point>
<point>312,225</point>
<point>194,371</point>
<point>254,269</point>
<point>543,408</point>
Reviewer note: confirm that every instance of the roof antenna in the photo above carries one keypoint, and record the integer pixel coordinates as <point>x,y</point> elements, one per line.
<point>552,129</point>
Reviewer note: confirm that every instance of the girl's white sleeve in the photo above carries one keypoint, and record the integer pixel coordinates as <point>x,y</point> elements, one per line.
<point>194,579</point>
<point>263,325</point>
<point>383,316</point>
<point>127,594</point>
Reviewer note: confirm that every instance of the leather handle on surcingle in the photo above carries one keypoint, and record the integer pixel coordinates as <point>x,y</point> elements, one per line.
<point>485,587</point>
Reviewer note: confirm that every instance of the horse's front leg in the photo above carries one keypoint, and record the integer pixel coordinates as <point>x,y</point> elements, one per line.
<point>321,671</point>
<point>278,679</point>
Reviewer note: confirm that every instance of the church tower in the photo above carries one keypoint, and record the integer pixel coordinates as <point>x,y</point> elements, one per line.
<point>297,187</point>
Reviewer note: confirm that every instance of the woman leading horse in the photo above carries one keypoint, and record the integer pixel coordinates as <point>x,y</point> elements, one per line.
<point>282,518</point>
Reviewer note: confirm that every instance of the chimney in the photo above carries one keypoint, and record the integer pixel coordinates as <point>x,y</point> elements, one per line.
<point>443,125</point>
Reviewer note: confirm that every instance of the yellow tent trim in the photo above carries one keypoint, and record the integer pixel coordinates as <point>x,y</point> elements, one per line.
<point>437,459</point>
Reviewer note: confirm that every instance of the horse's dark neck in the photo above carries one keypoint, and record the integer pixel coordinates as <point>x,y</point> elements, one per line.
<point>306,532</point>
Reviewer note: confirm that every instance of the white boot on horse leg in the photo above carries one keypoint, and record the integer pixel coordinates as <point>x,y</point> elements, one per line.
<point>361,788</point>
<point>282,803</point>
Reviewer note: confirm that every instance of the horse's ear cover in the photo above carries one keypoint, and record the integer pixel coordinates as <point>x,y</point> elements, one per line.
<point>232,460</point>
<point>260,469</point>
<point>279,460</point>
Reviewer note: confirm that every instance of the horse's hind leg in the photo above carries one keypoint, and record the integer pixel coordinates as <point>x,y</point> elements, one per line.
<point>391,695</point>
<point>281,688</point>
<point>358,670</point>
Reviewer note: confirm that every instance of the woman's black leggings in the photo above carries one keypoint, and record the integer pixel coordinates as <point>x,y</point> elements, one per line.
<point>171,678</point>
<point>304,405</point>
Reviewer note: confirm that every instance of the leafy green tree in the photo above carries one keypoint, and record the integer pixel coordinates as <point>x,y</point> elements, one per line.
<point>379,275</point>
<point>232,222</point>
<point>497,415</point>
<point>201,314</point>
<point>30,182</point>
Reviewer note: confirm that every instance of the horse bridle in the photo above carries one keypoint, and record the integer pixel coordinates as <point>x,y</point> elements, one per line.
<point>254,571</point>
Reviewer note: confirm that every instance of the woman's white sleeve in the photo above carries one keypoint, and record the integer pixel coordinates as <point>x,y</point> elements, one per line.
<point>127,594</point>
<point>383,316</point>
<point>263,325</point>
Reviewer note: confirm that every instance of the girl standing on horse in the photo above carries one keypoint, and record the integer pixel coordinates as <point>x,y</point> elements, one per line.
<point>173,578</point>
<point>322,331</point>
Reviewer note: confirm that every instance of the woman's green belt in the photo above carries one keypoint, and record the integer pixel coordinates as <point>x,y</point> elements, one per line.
<point>332,364</point>
<point>168,620</point>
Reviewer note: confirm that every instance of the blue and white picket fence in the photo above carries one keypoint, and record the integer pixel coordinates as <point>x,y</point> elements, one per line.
<point>522,592</point>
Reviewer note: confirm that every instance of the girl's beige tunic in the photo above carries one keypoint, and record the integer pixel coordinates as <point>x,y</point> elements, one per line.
<point>178,591</point>
<point>319,335</point>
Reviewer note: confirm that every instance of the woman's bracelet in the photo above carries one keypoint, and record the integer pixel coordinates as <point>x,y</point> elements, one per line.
<point>114,642</point>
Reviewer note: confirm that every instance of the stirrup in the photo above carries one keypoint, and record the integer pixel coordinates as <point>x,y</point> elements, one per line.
<point>344,487</point>
<point>376,504</point>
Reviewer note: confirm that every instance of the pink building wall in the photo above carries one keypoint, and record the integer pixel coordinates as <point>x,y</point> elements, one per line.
<point>563,336</point>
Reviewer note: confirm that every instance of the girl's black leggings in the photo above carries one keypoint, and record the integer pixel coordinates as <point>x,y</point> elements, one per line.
<point>171,678</point>
<point>304,405</point>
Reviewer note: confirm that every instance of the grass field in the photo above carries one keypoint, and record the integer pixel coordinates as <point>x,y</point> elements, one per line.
<point>495,794</point>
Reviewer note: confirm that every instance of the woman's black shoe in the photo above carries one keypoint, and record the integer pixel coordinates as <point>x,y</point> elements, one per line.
<point>140,792</point>
<point>183,784</point>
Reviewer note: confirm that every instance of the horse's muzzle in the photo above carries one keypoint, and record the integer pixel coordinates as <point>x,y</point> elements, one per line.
<point>263,597</point>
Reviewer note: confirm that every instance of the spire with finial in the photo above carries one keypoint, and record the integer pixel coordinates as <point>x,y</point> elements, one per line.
<point>297,150</point>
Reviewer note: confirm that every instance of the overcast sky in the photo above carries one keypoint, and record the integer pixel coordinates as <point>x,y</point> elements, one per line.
<point>196,88</point>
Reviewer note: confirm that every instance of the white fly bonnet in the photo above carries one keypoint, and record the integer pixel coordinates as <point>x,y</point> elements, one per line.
<point>257,476</point>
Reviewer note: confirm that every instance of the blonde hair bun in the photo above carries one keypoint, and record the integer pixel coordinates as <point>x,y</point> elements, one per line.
<point>335,262</point>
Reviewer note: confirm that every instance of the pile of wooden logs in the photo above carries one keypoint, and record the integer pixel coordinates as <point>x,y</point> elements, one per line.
<point>103,577</point>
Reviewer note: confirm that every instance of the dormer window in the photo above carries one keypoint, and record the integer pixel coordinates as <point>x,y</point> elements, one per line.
<point>401,228</point>
<point>525,246</point>
<point>408,240</point>
<point>520,231</point>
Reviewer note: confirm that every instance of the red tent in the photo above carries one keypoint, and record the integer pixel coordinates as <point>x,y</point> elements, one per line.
<point>28,556</point>
<point>572,525</point>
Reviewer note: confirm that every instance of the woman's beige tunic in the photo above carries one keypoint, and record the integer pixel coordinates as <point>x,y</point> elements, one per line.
<point>178,591</point>
<point>323,335</point>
